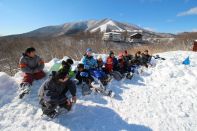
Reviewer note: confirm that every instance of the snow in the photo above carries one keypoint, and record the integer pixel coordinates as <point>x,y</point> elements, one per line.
<point>8,87</point>
<point>103,27</point>
<point>161,98</point>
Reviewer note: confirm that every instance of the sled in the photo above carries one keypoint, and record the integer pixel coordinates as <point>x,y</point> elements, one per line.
<point>117,75</point>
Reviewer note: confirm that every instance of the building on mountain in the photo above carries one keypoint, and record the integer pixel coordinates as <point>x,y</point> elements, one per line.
<point>135,38</point>
<point>124,36</point>
<point>112,36</point>
<point>195,46</point>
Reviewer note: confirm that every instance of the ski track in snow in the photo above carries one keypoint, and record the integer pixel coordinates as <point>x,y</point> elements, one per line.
<point>162,98</point>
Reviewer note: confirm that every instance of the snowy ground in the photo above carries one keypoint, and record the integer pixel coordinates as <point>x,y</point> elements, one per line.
<point>163,98</point>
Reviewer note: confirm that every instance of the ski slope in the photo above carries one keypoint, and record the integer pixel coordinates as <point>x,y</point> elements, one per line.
<point>161,98</point>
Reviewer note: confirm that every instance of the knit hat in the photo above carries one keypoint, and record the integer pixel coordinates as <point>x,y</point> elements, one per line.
<point>99,57</point>
<point>66,65</point>
<point>70,61</point>
<point>88,50</point>
<point>120,55</point>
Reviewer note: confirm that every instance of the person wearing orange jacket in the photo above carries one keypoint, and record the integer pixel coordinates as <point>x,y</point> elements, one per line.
<point>111,63</point>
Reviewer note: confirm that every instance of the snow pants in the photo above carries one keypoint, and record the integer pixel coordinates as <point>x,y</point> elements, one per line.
<point>29,78</point>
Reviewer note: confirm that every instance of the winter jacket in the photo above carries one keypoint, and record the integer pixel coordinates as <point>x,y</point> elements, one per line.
<point>128,59</point>
<point>31,65</point>
<point>111,64</point>
<point>100,64</point>
<point>71,73</point>
<point>51,91</point>
<point>81,78</point>
<point>137,60</point>
<point>89,62</point>
<point>122,66</point>
<point>146,58</point>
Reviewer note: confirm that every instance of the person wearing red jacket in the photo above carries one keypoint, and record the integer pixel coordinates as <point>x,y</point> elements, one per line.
<point>111,63</point>
<point>122,63</point>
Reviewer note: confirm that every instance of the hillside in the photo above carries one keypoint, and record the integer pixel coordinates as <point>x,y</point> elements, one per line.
<point>104,25</point>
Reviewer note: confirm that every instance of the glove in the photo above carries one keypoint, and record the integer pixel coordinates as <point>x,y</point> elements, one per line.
<point>68,102</point>
<point>74,99</point>
<point>84,74</point>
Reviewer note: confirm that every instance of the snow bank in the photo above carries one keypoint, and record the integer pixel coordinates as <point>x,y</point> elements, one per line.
<point>8,87</point>
<point>161,98</point>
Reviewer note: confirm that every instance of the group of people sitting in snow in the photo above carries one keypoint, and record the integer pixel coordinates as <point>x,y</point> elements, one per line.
<point>52,93</point>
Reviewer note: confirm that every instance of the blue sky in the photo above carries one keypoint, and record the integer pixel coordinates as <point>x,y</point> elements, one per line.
<point>19,16</point>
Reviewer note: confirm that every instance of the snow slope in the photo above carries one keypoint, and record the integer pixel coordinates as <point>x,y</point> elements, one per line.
<point>162,98</point>
<point>103,27</point>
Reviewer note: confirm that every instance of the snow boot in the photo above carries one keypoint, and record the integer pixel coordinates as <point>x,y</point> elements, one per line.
<point>85,89</point>
<point>24,89</point>
<point>129,76</point>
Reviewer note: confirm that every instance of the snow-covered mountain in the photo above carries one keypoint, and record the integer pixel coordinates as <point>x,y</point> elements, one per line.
<point>161,98</point>
<point>104,25</point>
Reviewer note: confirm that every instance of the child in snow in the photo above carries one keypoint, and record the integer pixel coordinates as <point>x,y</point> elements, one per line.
<point>100,62</point>
<point>69,61</point>
<point>146,58</point>
<point>122,63</point>
<point>138,58</point>
<point>52,93</point>
<point>127,57</point>
<point>83,75</point>
<point>32,66</point>
<point>111,63</point>
<point>67,65</point>
<point>125,64</point>
<point>88,60</point>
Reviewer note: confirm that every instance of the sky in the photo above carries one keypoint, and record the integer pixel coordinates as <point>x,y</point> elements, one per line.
<point>171,16</point>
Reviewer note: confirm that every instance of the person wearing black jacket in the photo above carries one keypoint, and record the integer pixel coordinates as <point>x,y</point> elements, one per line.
<point>80,77</point>
<point>146,58</point>
<point>52,93</point>
<point>138,58</point>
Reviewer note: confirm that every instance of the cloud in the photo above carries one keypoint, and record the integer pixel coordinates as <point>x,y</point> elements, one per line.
<point>192,11</point>
<point>150,29</point>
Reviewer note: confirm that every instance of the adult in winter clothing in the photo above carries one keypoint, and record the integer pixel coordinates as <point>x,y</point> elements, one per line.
<point>52,93</point>
<point>83,75</point>
<point>32,66</point>
<point>88,60</point>
<point>111,63</point>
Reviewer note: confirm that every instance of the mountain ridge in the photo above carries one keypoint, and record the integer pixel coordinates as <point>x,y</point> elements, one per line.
<point>103,25</point>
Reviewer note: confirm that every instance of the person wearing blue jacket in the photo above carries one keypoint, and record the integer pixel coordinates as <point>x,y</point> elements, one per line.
<point>89,61</point>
